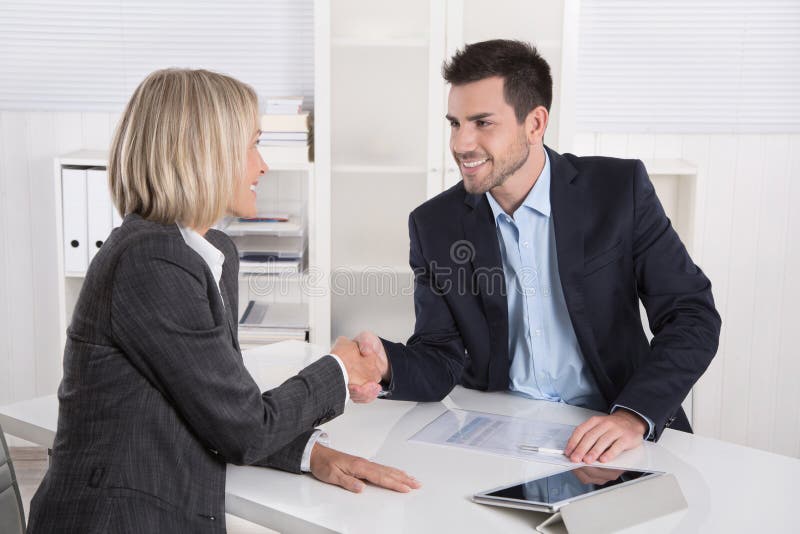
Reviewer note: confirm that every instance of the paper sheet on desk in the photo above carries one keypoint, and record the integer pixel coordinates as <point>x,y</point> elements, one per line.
<point>498,434</point>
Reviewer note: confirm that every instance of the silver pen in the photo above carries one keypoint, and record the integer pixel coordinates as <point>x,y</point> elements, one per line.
<point>543,450</point>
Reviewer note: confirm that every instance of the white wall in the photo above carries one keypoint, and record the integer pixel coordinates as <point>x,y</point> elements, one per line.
<point>30,352</point>
<point>746,242</point>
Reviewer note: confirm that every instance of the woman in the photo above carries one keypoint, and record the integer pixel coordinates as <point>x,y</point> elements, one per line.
<point>155,398</point>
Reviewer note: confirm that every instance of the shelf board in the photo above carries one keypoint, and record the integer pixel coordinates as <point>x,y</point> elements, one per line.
<point>396,42</point>
<point>379,169</point>
<point>243,273</point>
<point>294,227</point>
<point>669,167</point>
<point>281,316</point>
<point>289,165</point>
<point>269,268</point>
<point>86,158</point>
<point>547,43</point>
<point>99,158</point>
<point>399,269</point>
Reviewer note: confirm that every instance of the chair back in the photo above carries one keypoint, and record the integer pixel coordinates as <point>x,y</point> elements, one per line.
<point>12,515</point>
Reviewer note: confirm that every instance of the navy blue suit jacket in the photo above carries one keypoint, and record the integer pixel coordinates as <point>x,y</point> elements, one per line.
<point>614,244</point>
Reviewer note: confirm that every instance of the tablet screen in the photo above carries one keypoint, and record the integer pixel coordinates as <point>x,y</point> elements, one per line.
<point>568,484</point>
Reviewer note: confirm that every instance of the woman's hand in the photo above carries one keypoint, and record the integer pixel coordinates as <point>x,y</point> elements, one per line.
<point>347,471</point>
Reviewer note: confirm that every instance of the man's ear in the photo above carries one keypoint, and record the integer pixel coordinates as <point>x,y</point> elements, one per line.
<point>536,124</point>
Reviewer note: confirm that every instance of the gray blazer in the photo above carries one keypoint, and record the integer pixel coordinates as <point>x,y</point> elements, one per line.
<point>155,398</point>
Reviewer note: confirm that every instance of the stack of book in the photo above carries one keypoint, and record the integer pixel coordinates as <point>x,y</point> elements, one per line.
<point>263,323</point>
<point>277,224</point>
<point>269,254</point>
<point>285,132</point>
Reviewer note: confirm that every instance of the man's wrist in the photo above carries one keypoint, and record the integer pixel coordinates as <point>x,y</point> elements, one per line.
<point>634,419</point>
<point>384,366</point>
<point>386,371</point>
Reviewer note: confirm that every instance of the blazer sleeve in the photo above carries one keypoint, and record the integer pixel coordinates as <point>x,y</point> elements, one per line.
<point>290,457</point>
<point>680,310</point>
<point>429,366</point>
<point>163,320</point>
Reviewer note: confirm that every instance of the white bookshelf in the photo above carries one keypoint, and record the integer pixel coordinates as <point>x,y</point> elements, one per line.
<point>294,227</point>
<point>383,55</point>
<point>291,293</point>
<point>390,141</point>
<point>387,42</point>
<point>670,167</point>
<point>379,169</point>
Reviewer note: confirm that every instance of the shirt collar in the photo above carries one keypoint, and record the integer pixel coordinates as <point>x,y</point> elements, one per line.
<point>210,254</point>
<point>538,197</point>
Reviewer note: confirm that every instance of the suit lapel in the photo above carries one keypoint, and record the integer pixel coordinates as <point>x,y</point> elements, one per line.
<point>488,278</point>
<point>569,202</point>
<point>229,313</point>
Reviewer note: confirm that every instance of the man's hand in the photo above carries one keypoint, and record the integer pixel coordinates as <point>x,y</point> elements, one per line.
<point>596,475</point>
<point>371,347</point>
<point>361,370</point>
<point>603,437</point>
<point>340,469</point>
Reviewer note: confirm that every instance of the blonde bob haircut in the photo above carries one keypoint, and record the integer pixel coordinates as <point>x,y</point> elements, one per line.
<point>181,145</point>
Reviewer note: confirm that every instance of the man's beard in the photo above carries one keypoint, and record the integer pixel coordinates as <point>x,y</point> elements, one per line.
<point>500,174</point>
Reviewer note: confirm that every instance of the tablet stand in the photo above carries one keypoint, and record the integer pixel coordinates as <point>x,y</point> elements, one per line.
<point>618,509</point>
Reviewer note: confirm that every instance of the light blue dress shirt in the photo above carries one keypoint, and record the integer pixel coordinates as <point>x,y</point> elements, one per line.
<point>546,360</point>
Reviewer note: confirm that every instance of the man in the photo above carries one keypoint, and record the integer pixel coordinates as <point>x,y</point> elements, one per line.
<point>529,272</point>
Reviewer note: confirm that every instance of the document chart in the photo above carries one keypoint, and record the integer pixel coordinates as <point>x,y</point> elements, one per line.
<point>497,434</point>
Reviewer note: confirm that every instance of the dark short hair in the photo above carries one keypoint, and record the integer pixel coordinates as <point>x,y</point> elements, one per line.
<point>527,82</point>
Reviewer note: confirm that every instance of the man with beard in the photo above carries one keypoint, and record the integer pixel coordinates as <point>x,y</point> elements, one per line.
<point>530,271</point>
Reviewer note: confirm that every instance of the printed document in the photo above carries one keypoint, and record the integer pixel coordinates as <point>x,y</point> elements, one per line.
<point>498,434</point>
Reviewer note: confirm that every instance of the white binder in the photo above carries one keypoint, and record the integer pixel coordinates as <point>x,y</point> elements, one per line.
<point>116,218</point>
<point>73,200</point>
<point>99,209</point>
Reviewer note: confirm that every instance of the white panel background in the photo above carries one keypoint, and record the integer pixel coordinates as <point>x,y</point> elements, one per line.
<point>688,66</point>
<point>746,240</point>
<point>747,244</point>
<point>30,352</point>
<point>714,82</point>
<point>91,55</point>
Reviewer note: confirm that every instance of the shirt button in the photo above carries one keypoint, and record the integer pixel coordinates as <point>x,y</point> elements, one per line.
<point>537,332</point>
<point>546,292</point>
<point>525,244</point>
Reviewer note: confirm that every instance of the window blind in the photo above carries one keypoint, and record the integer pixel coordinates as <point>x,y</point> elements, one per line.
<point>689,66</point>
<point>89,55</point>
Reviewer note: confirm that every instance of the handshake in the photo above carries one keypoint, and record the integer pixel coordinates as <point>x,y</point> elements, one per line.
<point>367,365</point>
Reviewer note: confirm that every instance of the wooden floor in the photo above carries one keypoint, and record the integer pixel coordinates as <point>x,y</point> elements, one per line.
<point>30,465</point>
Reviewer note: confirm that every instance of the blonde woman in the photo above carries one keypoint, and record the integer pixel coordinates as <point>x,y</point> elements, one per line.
<point>155,399</point>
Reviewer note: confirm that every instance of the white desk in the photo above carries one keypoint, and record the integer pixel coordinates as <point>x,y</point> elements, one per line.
<point>729,488</point>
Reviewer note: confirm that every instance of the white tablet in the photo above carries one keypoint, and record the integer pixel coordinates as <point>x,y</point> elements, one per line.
<point>550,493</point>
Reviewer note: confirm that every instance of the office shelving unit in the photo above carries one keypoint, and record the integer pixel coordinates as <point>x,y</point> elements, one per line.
<point>300,311</point>
<point>390,141</point>
<point>304,189</point>
<point>382,54</point>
